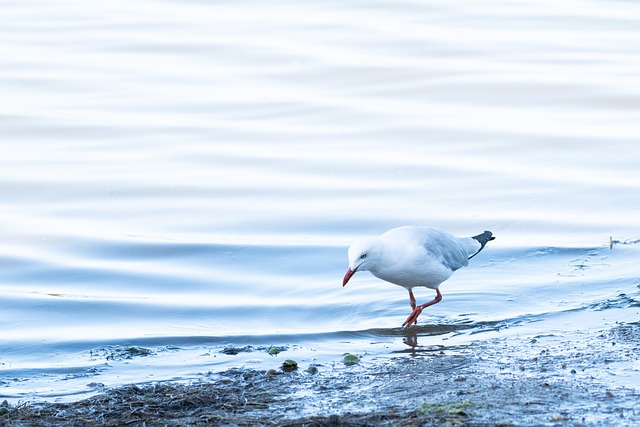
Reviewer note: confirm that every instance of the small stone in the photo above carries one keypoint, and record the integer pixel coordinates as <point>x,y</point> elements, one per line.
<point>289,365</point>
<point>273,351</point>
<point>350,359</point>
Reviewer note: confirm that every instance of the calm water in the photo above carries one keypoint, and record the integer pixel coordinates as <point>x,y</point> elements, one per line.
<point>186,176</point>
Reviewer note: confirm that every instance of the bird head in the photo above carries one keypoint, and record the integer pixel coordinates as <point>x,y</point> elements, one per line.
<point>362,256</point>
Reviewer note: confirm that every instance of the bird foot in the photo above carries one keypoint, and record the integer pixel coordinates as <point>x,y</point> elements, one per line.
<point>413,317</point>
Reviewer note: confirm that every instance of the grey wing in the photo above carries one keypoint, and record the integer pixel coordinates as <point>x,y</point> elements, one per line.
<point>447,249</point>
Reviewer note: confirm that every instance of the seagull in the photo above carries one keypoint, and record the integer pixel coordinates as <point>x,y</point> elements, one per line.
<point>413,256</point>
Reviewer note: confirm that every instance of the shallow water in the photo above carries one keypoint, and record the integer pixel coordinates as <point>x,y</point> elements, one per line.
<point>185,177</point>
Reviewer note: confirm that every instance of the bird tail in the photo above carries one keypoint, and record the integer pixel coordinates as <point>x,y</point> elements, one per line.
<point>483,239</point>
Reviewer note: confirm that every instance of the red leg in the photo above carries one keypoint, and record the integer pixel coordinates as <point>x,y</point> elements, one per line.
<point>413,317</point>
<point>412,300</point>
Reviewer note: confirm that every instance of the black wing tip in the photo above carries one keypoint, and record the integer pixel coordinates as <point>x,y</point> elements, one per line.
<point>483,239</point>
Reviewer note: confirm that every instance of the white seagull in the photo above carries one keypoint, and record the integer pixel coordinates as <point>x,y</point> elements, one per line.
<point>414,256</point>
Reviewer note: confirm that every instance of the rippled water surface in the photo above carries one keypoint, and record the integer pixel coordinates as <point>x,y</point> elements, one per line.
<point>183,179</point>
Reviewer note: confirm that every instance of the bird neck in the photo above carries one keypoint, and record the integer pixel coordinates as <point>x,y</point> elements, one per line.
<point>386,255</point>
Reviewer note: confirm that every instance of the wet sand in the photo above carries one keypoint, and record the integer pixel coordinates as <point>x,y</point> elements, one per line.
<point>546,380</point>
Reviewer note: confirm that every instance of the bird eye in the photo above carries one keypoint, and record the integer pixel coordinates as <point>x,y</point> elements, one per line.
<point>363,256</point>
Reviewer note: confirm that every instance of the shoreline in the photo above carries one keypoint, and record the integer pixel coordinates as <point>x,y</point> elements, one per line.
<point>545,380</point>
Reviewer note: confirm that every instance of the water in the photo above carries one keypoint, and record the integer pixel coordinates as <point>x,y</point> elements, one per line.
<point>185,177</point>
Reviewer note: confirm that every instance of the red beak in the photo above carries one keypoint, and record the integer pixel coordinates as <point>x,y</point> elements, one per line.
<point>348,276</point>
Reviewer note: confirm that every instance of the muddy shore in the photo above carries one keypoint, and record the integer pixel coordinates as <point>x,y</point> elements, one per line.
<point>545,380</point>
